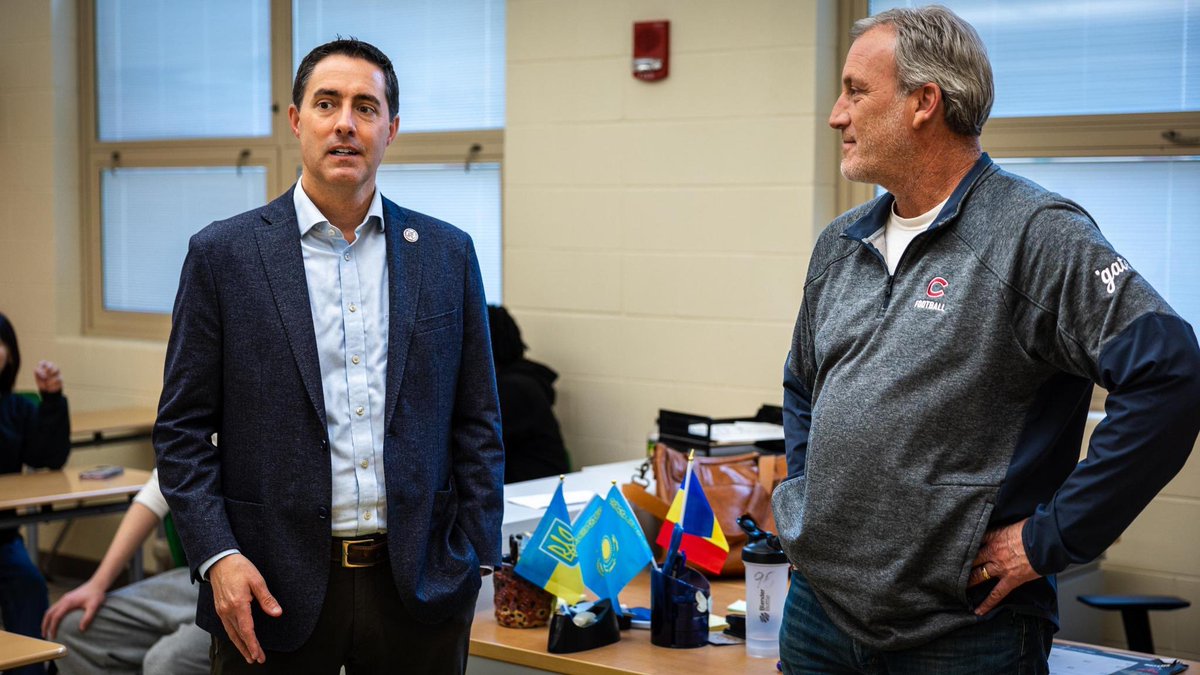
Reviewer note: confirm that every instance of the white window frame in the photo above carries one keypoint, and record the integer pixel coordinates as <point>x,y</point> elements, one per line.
<point>279,153</point>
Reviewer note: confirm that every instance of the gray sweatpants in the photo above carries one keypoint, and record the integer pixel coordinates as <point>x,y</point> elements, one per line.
<point>148,627</point>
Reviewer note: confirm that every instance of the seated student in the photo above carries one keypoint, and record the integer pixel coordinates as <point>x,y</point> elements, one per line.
<point>146,627</point>
<point>533,445</point>
<point>36,435</point>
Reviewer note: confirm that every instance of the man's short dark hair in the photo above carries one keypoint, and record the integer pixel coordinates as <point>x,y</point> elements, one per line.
<point>355,49</point>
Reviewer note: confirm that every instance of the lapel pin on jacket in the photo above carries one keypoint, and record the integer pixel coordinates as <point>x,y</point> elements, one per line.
<point>410,235</point>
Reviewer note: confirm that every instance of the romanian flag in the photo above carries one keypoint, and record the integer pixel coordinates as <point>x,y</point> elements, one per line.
<point>703,541</point>
<point>550,559</point>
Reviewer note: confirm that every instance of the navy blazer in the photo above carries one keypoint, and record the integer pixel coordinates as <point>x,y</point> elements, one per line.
<point>242,363</point>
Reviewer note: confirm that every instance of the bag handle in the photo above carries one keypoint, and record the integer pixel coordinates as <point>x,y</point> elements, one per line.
<point>766,472</point>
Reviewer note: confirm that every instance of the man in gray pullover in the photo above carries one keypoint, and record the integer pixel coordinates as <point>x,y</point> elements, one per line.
<point>939,380</point>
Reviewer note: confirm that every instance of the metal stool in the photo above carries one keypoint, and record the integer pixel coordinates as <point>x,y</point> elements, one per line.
<point>1135,614</point>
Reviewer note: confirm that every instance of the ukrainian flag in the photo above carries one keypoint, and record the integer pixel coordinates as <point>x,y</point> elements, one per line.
<point>550,559</point>
<point>703,541</point>
<point>612,547</point>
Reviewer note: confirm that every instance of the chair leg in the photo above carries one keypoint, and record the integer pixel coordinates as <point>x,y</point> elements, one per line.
<point>1137,630</point>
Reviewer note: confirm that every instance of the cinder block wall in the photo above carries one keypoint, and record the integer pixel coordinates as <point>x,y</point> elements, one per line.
<point>657,234</point>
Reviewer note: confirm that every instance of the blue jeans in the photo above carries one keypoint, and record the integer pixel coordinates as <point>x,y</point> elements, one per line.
<point>23,596</point>
<point>1008,644</point>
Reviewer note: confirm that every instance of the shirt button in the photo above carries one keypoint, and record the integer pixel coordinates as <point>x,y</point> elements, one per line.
<point>354,359</point>
<point>359,411</point>
<point>364,463</point>
<point>367,515</point>
<point>347,256</point>
<point>353,307</point>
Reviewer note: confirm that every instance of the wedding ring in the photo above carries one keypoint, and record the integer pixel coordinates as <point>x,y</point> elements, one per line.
<point>984,573</point>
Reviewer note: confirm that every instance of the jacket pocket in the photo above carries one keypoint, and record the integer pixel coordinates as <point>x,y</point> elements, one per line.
<point>436,322</point>
<point>965,511</point>
<point>787,504</point>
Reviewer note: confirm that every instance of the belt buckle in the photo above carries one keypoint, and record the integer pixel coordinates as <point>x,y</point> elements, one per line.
<point>346,544</point>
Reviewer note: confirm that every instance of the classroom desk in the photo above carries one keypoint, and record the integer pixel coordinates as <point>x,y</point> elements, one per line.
<point>115,425</point>
<point>42,491</point>
<point>1193,667</point>
<point>496,649</point>
<point>18,650</point>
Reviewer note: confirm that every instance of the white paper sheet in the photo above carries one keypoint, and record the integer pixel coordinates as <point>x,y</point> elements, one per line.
<point>1071,662</point>
<point>739,432</point>
<point>543,500</point>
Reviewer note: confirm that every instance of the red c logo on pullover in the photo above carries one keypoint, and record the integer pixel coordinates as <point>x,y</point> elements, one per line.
<point>937,287</point>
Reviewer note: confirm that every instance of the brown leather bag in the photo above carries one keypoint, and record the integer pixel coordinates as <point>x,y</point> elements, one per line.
<point>734,485</point>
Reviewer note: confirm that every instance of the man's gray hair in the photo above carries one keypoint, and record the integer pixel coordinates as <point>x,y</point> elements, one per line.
<point>935,45</point>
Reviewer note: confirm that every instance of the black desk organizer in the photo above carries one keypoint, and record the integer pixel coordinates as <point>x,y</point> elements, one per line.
<point>673,431</point>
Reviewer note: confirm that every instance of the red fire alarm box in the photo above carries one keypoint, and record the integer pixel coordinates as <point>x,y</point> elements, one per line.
<point>651,50</point>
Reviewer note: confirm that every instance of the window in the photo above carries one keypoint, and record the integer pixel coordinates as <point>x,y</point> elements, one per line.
<point>1098,101</point>
<point>186,107</point>
<point>169,70</point>
<point>1147,207</point>
<point>448,56</point>
<point>470,199</point>
<point>141,209</point>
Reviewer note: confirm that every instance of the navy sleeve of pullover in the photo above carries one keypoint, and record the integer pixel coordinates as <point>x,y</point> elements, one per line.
<point>798,376</point>
<point>1093,315</point>
<point>1152,373</point>
<point>797,419</point>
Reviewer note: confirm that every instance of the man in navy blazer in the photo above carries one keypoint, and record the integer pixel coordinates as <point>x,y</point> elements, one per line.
<point>329,433</point>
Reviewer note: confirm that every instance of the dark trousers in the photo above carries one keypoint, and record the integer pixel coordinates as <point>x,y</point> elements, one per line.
<point>1007,644</point>
<point>23,596</point>
<point>364,627</point>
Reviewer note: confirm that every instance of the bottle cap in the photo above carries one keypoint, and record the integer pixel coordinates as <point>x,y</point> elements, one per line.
<point>761,552</point>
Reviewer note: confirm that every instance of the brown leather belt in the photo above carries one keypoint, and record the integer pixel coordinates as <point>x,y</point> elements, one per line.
<point>360,551</point>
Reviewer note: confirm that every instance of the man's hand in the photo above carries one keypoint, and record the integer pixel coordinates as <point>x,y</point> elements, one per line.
<point>48,377</point>
<point>236,582</point>
<point>88,596</point>
<point>1002,557</point>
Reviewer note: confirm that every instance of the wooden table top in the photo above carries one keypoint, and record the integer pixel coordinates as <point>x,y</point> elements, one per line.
<point>43,488</point>
<point>136,419</point>
<point>18,650</point>
<point>633,654</point>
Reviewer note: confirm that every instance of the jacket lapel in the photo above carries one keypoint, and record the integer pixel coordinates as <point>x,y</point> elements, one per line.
<point>278,240</point>
<point>404,287</point>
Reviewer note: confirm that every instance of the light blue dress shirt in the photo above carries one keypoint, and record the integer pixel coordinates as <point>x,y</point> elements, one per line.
<point>348,294</point>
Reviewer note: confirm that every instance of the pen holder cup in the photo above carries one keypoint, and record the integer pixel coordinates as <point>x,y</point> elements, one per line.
<point>679,609</point>
<point>567,637</point>
<point>520,604</point>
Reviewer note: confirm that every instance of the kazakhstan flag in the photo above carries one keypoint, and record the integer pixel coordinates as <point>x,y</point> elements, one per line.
<point>550,559</point>
<point>612,547</point>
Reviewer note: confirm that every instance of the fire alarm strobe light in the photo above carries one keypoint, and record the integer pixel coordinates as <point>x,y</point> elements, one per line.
<point>651,50</point>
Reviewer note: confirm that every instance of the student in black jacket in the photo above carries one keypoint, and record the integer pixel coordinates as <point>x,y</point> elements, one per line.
<point>533,444</point>
<point>36,435</point>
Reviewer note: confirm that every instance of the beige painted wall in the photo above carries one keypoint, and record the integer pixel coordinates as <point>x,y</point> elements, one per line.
<point>656,235</point>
